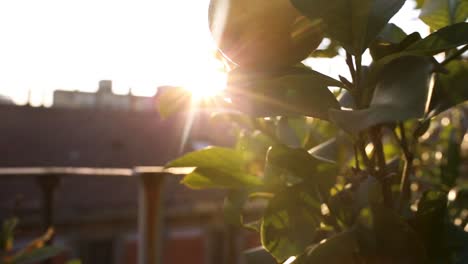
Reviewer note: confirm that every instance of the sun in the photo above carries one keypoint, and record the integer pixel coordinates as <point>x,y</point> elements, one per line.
<point>205,81</point>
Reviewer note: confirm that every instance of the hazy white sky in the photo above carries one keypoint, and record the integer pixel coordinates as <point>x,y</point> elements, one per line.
<point>72,44</point>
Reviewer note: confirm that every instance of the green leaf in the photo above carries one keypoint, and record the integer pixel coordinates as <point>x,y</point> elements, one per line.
<point>419,3</point>
<point>391,33</point>
<point>207,178</point>
<point>173,99</point>
<point>289,223</point>
<point>353,23</point>
<point>442,40</point>
<point>338,249</point>
<point>389,41</point>
<point>299,91</point>
<point>74,261</point>
<point>442,239</point>
<point>440,13</point>
<point>401,94</point>
<point>258,256</point>
<point>293,131</point>
<point>37,255</point>
<point>385,234</point>
<point>451,88</point>
<point>233,207</point>
<point>296,161</point>
<point>215,168</point>
<point>329,52</point>
<point>429,222</point>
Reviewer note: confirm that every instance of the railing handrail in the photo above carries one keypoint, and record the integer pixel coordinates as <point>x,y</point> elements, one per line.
<point>89,171</point>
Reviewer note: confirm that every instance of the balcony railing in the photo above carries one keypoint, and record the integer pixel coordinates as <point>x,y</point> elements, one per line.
<point>150,205</point>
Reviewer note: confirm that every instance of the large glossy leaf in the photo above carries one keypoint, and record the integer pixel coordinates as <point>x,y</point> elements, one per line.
<point>215,168</point>
<point>391,40</point>
<point>450,88</point>
<point>440,13</point>
<point>401,94</point>
<point>297,91</point>
<point>203,178</point>
<point>289,223</point>
<point>295,160</point>
<point>445,38</point>
<point>354,23</point>
<point>338,249</point>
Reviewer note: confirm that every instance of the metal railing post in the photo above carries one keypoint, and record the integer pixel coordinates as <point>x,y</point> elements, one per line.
<point>150,216</point>
<point>48,184</point>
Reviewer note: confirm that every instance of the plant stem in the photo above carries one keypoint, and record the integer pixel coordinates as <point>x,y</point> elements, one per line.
<point>455,55</point>
<point>356,157</point>
<point>408,166</point>
<point>352,69</point>
<point>376,136</point>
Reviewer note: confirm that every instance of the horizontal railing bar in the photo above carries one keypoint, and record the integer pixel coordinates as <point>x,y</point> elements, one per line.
<point>157,170</point>
<point>65,171</point>
<point>84,171</point>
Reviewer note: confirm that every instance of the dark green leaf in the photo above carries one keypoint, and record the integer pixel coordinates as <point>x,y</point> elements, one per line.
<point>299,91</point>
<point>429,222</point>
<point>401,94</point>
<point>216,168</point>
<point>389,41</point>
<point>338,249</point>
<point>355,23</point>
<point>289,223</point>
<point>452,88</point>
<point>444,39</point>
<point>441,13</point>
<point>391,33</point>
<point>258,256</point>
<point>382,232</point>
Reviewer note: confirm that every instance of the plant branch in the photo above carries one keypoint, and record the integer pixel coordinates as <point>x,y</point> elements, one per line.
<point>455,55</point>
<point>408,166</point>
<point>376,137</point>
<point>352,69</point>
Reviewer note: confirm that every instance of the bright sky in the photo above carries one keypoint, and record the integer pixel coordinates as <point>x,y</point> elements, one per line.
<point>71,44</point>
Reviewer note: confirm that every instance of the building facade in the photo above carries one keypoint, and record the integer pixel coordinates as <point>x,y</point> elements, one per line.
<point>104,98</point>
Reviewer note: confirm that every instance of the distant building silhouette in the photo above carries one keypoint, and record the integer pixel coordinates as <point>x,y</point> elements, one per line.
<point>103,98</point>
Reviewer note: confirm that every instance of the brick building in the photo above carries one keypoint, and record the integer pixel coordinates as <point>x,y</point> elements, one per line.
<point>96,217</point>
